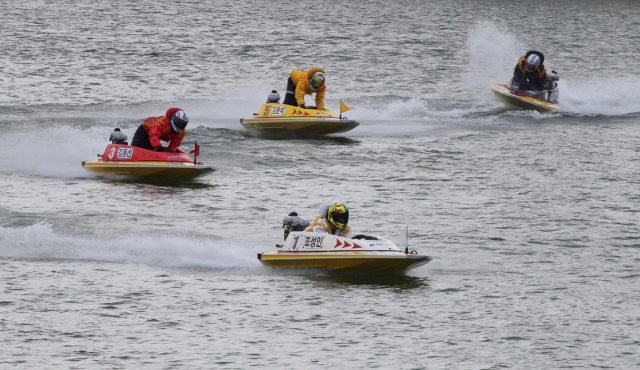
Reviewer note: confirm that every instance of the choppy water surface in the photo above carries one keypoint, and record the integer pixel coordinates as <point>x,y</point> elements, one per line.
<point>532,219</point>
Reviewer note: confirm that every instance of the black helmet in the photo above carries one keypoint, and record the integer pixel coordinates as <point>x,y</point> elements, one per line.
<point>179,121</point>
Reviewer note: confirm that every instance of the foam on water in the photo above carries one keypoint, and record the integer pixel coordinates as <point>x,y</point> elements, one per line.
<point>607,95</point>
<point>492,52</point>
<point>40,241</point>
<point>55,151</point>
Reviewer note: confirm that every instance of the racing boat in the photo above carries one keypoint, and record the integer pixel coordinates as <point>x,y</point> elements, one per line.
<point>360,253</point>
<point>542,101</point>
<point>275,117</point>
<point>122,159</point>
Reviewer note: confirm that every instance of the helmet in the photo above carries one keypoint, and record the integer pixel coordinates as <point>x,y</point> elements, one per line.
<point>533,62</point>
<point>316,81</point>
<point>338,215</point>
<point>179,121</point>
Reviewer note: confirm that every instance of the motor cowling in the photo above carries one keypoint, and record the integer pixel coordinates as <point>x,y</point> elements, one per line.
<point>553,76</point>
<point>118,137</point>
<point>274,97</point>
<point>293,222</point>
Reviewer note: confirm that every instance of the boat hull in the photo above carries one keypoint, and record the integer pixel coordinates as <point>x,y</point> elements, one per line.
<point>523,101</point>
<point>346,261</point>
<point>151,170</point>
<point>317,126</point>
<point>122,159</point>
<point>286,118</point>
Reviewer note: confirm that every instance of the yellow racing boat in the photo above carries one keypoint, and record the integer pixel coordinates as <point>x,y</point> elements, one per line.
<point>542,101</point>
<point>276,117</point>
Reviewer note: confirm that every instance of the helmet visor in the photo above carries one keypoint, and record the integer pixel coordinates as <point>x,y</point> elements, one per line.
<point>339,220</point>
<point>179,121</point>
<point>316,81</point>
<point>316,84</point>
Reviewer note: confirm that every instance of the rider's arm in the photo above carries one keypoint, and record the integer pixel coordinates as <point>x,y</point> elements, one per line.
<point>317,226</point>
<point>320,98</point>
<point>175,142</point>
<point>517,74</point>
<point>154,134</point>
<point>300,91</point>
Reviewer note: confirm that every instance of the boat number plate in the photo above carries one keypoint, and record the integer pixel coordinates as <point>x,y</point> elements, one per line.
<point>277,111</point>
<point>125,152</point>
<point>313,242</point>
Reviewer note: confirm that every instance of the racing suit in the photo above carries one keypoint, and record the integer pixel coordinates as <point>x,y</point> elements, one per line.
<point>298,86</point>
<point>322,225</point>
<point>154,129</point>
<point>536,80</point>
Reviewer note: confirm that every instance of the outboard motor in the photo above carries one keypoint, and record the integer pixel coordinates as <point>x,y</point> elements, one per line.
<point>293,222</point>
<point>118,137</point>
<point>553,77</point>
<point>274,97</point>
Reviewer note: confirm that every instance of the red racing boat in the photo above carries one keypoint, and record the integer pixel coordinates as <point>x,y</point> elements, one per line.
<point>122,159</point>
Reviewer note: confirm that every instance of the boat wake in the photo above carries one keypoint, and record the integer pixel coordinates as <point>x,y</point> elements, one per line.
<point>39,241</point>
<point>53,151</point>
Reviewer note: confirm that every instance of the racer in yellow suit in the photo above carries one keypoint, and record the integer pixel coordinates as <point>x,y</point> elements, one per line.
<point>305,82</point>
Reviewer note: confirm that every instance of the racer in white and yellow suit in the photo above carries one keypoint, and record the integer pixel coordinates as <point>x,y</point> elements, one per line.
<point>335,222</point>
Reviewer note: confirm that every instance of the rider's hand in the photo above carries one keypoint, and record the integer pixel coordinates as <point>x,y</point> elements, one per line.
<point>160,149</point>
<point>173,151</point>
<point>303,106</point>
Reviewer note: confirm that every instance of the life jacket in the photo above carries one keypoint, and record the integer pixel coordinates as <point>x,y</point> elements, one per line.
<point>538,73</point>
<point>159,128</point>
<point>321,224</point>
<point>300,78</point>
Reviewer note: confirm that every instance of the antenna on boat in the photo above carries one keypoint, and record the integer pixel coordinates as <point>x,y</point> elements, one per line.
<point>406,239</point>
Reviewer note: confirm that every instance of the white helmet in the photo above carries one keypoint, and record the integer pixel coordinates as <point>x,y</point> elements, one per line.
<point>316,81</point>
<point>533,62</point>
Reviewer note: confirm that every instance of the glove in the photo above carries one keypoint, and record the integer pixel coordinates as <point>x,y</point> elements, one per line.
<point>173,151</point>
<point>160,149</point>
<point>302,106</point>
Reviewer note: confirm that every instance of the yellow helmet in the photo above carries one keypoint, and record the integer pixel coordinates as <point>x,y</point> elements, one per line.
<point>316,81</point>
<point>338,215</point>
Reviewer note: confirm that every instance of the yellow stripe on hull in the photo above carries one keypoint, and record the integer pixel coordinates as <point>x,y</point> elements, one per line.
<point>155,170</point>
<point>346,261</point>
<point>524,101</point>
<point>301,125</point>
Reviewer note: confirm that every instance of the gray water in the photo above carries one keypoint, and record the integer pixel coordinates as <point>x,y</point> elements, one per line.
<point>532,219</point>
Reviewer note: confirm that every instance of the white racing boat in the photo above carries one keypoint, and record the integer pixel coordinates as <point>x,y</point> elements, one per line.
<point>361,253</point>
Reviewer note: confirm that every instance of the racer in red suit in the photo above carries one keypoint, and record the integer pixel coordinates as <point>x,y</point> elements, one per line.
<point>170,127</point>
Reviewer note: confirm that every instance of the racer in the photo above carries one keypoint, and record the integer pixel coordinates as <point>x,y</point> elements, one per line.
<point>530,73</point>
<point>305,82</point>
<point>334,222</point>
<point>170,127</point>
